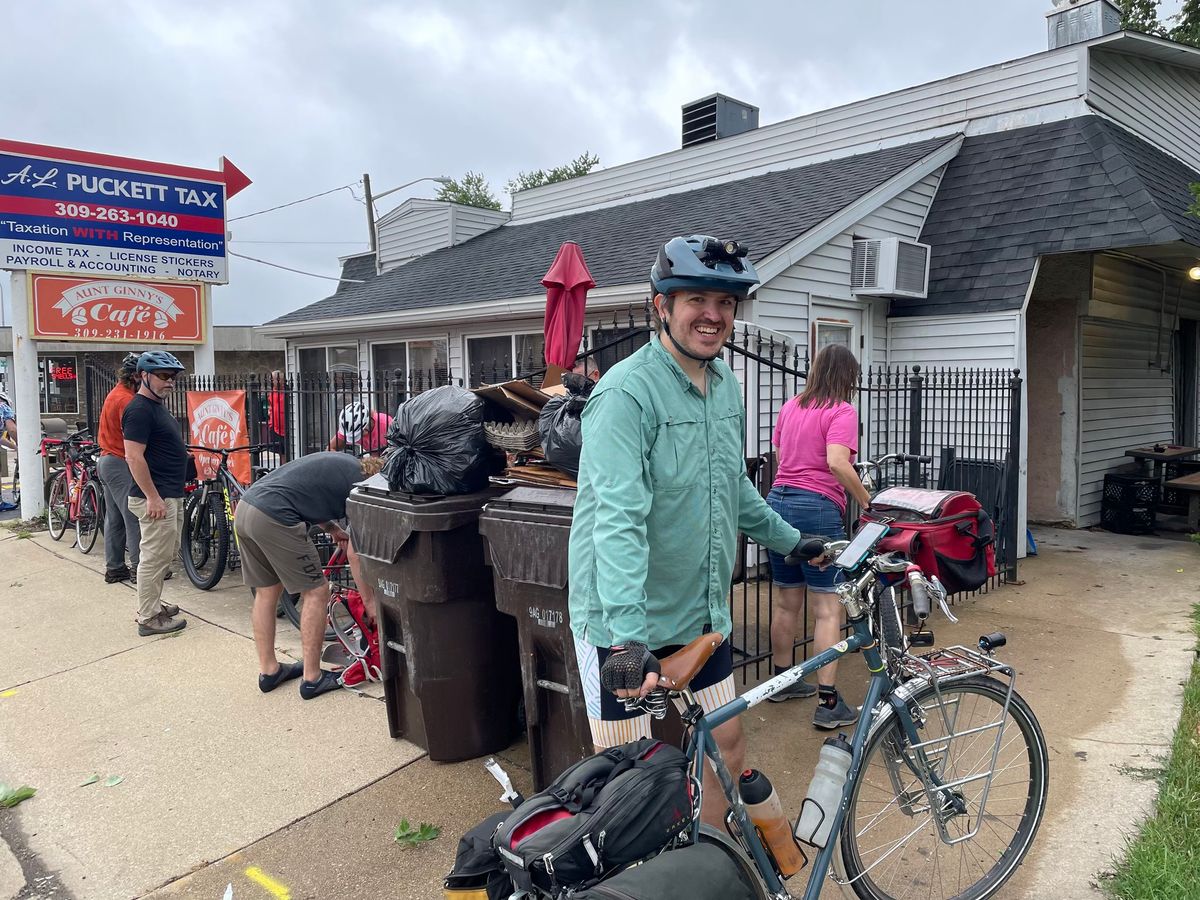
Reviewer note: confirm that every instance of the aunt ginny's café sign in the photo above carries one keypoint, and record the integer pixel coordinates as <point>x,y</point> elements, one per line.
<point>81,309</point>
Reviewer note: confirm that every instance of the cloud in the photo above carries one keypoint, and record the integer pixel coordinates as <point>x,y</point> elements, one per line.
<point>305,96</point>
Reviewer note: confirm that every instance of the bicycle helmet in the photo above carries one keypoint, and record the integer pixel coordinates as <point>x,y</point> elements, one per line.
<point>353,421</point>
<point>154,360</point>
<point>129,364</point>
<point>703,263</point>
<point>4,397</point>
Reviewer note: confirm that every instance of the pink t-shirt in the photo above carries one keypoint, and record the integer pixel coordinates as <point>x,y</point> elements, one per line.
<point>376,438</point>
<point>802,434</point>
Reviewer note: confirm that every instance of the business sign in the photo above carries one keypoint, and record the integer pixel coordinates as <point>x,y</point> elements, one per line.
<point>217,419</point>
<point>98,215</point>
<point>136,312</point>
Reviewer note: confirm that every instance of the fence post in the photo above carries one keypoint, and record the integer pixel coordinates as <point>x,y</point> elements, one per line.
<point>1012,480</point>
<point>915,384</point>
<point>89,397</point>
<point>253,420</point>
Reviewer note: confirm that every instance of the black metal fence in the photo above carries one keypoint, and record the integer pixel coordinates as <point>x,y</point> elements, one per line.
<point>967,420</point>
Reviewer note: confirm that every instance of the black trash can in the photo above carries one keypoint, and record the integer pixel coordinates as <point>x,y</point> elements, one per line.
<point>527,533</point>
<point>449,660</point>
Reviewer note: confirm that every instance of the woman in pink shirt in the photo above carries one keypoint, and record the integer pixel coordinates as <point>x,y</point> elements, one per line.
<point>817,438</point>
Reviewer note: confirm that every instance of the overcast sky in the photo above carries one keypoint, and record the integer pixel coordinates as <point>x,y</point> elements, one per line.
<point>305,96</point>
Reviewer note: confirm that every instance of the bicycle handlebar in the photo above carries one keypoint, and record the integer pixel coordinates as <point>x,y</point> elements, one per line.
<point>919,592</point>
<point>225,451</point>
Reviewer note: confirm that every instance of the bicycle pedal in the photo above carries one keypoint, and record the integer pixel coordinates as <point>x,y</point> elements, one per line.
<point>921,639</point>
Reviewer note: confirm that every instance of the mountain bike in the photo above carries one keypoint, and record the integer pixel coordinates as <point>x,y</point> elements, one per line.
<point>75,497</point>
<point>948,772</point>
<point>208,543</point>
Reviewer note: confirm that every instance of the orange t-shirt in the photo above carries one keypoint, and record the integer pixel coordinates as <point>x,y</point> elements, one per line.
<point>112,442</point>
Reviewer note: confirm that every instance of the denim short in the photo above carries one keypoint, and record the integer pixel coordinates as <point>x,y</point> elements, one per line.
<point>809,513</point>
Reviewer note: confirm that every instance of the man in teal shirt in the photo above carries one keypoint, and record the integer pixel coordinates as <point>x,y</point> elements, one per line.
<point>663,493</point>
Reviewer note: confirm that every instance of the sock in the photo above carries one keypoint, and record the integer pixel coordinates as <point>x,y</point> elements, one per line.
<point>287,671</point>
<point>827,695</point>
<point>779,670</point>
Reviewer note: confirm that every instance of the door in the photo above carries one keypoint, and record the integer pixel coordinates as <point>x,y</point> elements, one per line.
<point>831,322</point>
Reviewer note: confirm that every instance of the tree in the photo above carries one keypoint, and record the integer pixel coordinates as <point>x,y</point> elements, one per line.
<point>581,165</point>
<point>1142,15</point>
<point>1187,24</point>
<point>470,190</point>
<point>1194,209</point>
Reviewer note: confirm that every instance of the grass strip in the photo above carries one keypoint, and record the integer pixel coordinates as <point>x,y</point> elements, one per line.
<point>1162,862</point>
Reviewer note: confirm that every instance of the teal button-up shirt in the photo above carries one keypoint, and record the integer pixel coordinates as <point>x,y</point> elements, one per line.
<point>663,493</point>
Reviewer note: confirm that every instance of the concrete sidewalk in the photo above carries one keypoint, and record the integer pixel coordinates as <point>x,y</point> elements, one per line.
<point>278,797</point>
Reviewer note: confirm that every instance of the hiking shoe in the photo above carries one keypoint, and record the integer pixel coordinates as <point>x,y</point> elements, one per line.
<point>842,714</point>
<point>797,691</point>
<point>327,682</point>
<point>112,576</point>
<point>170,610</point>
<point>161,624</point>
<point>286,672</point>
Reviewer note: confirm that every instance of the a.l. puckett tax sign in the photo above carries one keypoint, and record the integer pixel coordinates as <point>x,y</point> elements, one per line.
<point>86,309</point>
<point>85,213</point>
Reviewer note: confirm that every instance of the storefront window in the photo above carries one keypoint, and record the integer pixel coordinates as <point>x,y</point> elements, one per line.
<point>59,378</point>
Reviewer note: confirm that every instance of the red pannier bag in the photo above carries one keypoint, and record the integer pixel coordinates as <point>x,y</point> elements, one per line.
<point>946,533</point>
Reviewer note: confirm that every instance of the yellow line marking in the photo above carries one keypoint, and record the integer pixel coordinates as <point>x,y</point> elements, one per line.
<point>276,889</point>
<point>8,693</point>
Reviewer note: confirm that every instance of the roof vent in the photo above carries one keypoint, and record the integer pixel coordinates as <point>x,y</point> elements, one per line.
<point>889,267</point>
<point>716,117</point>
<point>1076,21</point>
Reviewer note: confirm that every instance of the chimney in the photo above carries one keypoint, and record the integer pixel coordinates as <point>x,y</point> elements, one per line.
<point>716,117</point>
<point>1076,21</point>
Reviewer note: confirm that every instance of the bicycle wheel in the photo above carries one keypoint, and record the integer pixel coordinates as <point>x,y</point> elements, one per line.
<point>58,510</point>
<point>16,487</point>
<point>292,604</point>
<point>87,522</point>
<point>204,542</point>
<point>890,843</point>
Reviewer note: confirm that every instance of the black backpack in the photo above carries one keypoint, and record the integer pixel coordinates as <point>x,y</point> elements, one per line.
<point>617,807</point>
<point>478,871</point>
<point>699,872</point>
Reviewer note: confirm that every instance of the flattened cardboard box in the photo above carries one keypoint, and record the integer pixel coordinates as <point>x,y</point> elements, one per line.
<point>520,398</point>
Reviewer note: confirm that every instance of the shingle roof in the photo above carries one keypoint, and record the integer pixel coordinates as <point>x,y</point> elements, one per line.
<point>619,242</point>
<point>1008,198</point>
<point>355,269</point>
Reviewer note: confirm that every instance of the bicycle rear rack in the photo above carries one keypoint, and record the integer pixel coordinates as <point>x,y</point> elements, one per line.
<point>947,665</point>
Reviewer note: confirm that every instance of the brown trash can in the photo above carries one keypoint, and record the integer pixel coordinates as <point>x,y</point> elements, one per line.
<point>527,532</point>
<point>451,680</point>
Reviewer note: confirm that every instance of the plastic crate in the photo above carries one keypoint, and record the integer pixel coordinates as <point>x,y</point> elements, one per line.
<point>1128,504</point>
<point>1174,501</point>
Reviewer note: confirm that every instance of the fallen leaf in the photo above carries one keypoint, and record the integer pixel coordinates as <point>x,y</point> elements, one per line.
<point>91,780</point>
<point>113,780</point>
<point>10,797</point>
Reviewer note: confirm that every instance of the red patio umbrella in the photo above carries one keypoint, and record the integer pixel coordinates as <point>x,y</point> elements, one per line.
<point>567,284</point>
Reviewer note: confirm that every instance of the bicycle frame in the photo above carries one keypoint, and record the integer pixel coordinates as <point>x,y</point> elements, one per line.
<point>881,686</point>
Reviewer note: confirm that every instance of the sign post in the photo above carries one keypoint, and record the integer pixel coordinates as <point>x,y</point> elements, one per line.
<point>83,225</point>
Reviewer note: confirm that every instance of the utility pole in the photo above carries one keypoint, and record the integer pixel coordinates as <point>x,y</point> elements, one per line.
<point>370,212</point>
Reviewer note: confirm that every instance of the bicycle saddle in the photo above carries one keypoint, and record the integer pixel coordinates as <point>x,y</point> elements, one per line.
<point>682,665</point>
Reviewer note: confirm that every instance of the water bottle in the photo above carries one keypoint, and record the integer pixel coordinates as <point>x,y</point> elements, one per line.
<point>766,812</point>
<point>825,792</point>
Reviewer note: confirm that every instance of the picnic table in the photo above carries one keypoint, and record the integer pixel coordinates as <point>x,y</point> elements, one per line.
<point>1160,454</point>
<point>1190,484</point>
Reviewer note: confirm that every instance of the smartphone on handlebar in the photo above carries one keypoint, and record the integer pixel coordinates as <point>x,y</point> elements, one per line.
<point>860,545</point>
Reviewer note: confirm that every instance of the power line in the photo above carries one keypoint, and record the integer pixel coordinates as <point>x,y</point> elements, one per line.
<point>240,241</point>
<point>344,187</point>
<point>290,269</point>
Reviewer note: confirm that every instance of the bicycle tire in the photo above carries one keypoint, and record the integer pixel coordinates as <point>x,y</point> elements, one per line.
<point>89,517</point>
<point>204,540</point>
<point>292,605</point>
<point>58,510</point>
<point>881,867</point>
<point>889,620</point>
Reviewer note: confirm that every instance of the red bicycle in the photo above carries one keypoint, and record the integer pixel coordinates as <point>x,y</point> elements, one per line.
<point>74,497</point>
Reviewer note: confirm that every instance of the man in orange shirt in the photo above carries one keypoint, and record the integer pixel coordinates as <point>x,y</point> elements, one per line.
<point>121,529</point>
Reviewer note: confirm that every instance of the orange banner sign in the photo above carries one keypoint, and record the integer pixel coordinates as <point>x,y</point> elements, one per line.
<point>115,311</point>
<point>217,419</point>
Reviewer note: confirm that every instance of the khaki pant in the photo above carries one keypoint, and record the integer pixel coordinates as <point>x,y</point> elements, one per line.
<point>159,546</point>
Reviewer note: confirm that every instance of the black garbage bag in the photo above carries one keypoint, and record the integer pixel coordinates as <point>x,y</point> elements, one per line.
<point>561,427</point>
<point>438,445</point>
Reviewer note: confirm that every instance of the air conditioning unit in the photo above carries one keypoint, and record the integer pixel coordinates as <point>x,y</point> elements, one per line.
<point>889,267</point>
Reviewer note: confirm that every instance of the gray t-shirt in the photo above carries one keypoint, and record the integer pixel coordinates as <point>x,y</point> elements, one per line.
<point>312,489</point>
